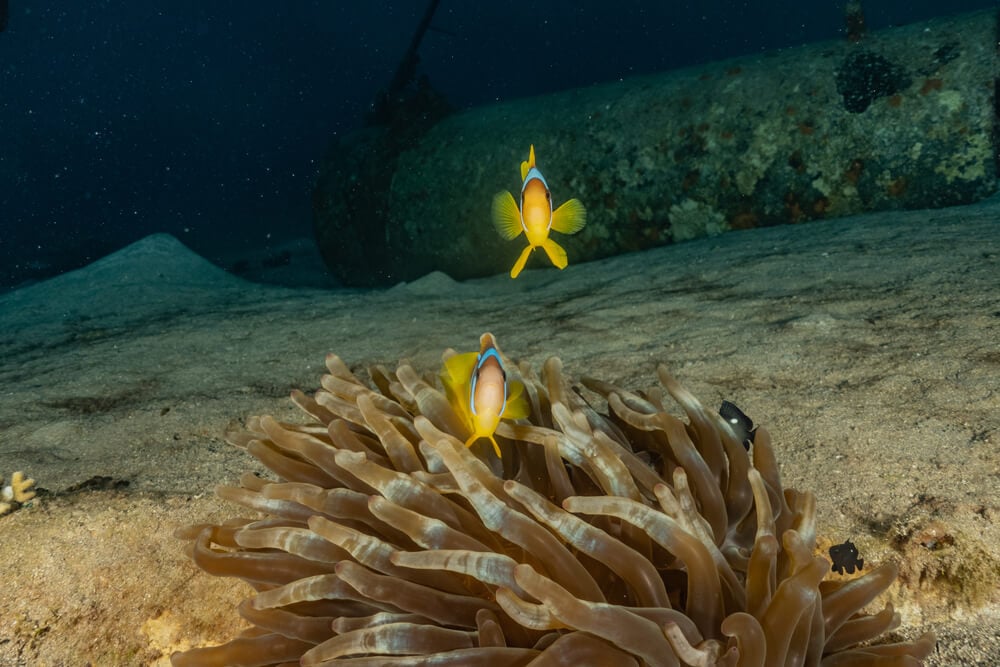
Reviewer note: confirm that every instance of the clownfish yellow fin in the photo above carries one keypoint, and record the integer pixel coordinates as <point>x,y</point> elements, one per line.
<point>517,406</point>
<point>458,367</point>
<point>476,436</point>
<point>456,376</point>
<point>506,216</point>
<point>556,253</point>
<point>529,163</point>
<point>521,261</point>
<point>570,217</point>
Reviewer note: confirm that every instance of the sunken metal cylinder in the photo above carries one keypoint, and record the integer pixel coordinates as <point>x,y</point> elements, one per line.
<point>904,118</point>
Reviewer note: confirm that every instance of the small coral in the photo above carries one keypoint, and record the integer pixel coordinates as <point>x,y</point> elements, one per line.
<point>16,493</point>
<point>692,219</point>
<point>946,563</point>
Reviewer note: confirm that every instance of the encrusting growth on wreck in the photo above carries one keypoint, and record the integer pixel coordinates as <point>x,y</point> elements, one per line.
<point>610,532</point>
<point>16,493</point>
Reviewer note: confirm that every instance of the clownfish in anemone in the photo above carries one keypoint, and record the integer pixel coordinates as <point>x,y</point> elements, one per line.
<point>535,216</point>
<point>477,386</point>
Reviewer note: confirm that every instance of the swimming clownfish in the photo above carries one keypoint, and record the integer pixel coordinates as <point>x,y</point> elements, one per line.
<point>535,216</point>
<point>478,388</point>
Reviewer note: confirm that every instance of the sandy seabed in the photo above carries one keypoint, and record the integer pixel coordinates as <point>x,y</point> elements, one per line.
<point>869,347</point>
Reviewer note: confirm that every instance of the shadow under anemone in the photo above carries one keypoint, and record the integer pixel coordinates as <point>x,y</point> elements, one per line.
<point>631,538</point>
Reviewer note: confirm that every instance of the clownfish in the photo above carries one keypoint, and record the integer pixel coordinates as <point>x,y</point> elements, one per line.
<point>535,216</point>
<point>478,388</point>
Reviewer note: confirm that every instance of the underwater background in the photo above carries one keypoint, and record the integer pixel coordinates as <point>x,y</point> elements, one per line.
<point>209,120</point>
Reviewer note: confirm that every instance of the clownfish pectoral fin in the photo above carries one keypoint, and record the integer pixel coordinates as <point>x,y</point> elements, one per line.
<point>517,406</point>
<point>556,253</point>
<point>455,376</point>
<point>506,216</point>
<point>529,163</point>
<point>458,368</point>
<point>570,217</point>
<point>521,261</point>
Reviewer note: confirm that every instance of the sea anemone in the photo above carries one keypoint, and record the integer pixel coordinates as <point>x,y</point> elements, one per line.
<point>627,538</point>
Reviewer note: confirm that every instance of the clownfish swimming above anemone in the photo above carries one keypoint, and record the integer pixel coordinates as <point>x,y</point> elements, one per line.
<point>535,216</point>
<point>477,386</point>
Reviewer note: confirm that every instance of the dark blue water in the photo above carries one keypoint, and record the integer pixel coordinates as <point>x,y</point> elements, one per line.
<point>207,119</point>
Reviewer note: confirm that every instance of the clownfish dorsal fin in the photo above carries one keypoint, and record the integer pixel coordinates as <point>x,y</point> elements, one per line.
<point>529,163</point>
<point>486,342</point>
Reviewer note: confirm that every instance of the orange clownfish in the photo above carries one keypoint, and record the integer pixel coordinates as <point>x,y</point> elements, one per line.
<point>535,216</point>
<point>478,388</point>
